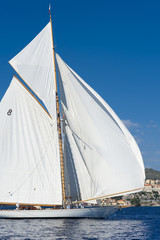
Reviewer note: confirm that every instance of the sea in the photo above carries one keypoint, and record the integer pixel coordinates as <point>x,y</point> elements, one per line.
<point>132,223</point>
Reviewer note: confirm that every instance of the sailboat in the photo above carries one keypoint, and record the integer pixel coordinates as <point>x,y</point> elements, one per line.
<point>60,153</point>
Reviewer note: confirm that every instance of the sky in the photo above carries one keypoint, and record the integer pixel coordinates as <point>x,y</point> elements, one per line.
<point>113,45</point>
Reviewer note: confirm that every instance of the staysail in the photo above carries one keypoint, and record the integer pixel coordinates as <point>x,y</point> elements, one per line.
<point>29,152</point>
<point>36,67</point>
<point>106,157</point>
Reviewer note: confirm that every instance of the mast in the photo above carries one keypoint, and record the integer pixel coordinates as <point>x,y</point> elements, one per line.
<point>58,123</point>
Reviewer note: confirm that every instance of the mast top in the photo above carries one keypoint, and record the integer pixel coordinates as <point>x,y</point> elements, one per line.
<point>49,12</point>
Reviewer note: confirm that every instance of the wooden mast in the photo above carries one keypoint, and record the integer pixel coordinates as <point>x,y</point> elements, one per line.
<point>59,124</point>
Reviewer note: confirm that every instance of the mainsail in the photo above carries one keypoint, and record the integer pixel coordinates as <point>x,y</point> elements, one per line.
<point>106,157</point>
<point>35,65</point>
<point>29,152</point>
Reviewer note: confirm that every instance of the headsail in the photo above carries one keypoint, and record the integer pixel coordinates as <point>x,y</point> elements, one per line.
<point>107,159</point>
<point>29,152</point>
<point>35,66</point>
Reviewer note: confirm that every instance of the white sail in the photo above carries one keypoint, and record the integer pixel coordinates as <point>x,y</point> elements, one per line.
<point>29,150</point>
<point>110,162</point>
<point>85,182</point>
<point>35,66</point>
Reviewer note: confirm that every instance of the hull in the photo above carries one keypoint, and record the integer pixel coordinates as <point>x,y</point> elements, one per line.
<point>92,212</point>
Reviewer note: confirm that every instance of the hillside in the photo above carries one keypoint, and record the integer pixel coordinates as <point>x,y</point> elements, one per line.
<point>152,174</point>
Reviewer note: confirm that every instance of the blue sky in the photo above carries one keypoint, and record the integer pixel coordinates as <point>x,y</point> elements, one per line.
<point>113,45</point>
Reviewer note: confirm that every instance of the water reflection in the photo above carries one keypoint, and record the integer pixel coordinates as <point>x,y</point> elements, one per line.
<point>128,224</point>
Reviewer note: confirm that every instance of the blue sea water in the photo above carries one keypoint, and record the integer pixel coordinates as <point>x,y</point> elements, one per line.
<point>128,224</point>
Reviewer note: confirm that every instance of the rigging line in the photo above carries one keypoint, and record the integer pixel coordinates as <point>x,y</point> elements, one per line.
<point>64,112</point>
<point>39,162</point>
<point>79,137</point>
<point>81,155</point>
<point>68,149</point>
<point>83,159</point>
<point>29,90</point>
<point>94,97</point>
<point>74,170</point>
<point>79,150</point>
<point>83,85</point>
<point>121,136</point>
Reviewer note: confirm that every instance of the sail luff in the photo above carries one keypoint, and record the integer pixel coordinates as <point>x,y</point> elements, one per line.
<point>58,122</point>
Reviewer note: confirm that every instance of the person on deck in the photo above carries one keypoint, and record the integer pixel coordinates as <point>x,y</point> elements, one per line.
<point>17,206</point>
